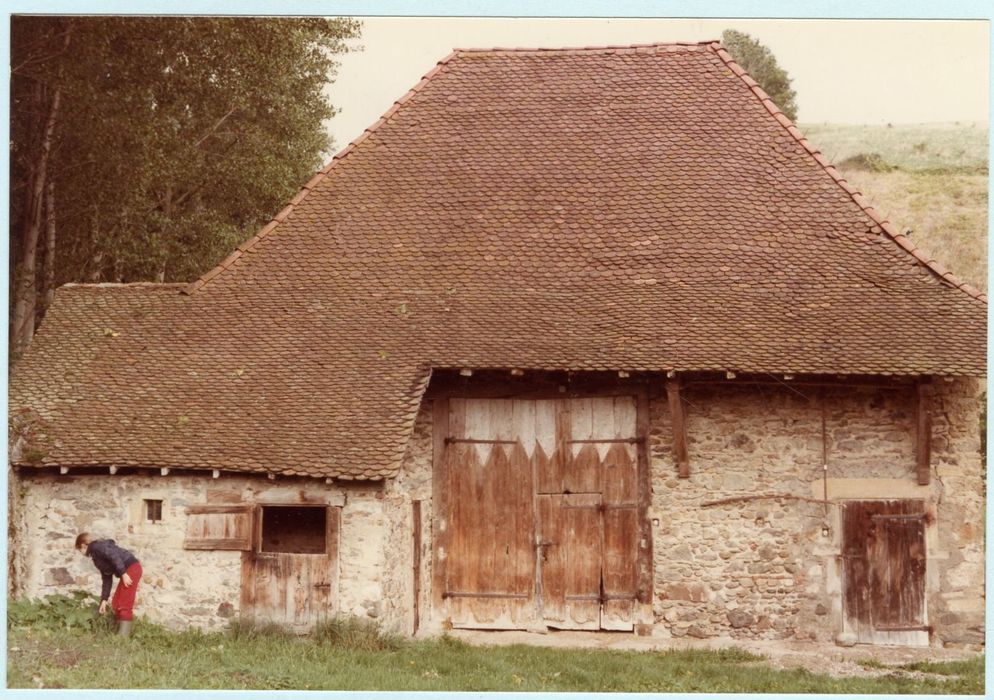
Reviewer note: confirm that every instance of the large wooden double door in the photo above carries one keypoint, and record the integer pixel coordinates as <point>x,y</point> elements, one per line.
<point>543,521</point>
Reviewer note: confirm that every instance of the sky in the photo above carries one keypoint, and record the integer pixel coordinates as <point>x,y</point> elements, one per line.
<point>844,71</point>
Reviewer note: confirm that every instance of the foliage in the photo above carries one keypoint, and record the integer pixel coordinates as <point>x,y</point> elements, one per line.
<point>177,137</point>
<point>760,63</point>
<point>76,611</point>
<point>353,633</point>
<point>158,658</point>
<point>871,162</point>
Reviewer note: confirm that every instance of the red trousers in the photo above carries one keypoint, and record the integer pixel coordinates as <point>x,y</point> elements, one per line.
<point>123,602</point>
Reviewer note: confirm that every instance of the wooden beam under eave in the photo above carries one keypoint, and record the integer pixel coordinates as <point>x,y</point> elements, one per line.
<point>923,439</point>
<point>679,426</point>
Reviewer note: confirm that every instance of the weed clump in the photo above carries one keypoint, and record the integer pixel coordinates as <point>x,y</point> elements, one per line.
<point>868,162</point>
<point>58,612</point>
<point>245,628</point>
<point>355,634</point>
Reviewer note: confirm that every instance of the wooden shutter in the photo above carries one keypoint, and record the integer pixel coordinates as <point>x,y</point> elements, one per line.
<point>219,527</point>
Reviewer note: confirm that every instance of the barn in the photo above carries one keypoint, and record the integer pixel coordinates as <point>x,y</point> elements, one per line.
<point>586,339</point>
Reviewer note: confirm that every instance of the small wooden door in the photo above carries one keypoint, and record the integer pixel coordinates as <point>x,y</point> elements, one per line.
<point>298,588</point>
<point>884,570</point>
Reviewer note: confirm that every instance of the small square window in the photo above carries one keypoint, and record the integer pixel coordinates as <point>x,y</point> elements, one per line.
<point>294,529</point>
<point>153,510</point>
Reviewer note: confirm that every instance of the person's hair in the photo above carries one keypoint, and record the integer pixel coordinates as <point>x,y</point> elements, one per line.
<point>82,538</point>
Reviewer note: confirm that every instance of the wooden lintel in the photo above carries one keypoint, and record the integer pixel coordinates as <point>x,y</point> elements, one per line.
<point>679,427</point>
<point>923,442</point>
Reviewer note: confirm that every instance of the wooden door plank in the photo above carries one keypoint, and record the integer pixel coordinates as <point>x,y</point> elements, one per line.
<point>551,561</point>
<point>582,543</point>
<point>553,480</point>
<point>620,474</point>
<point>247,605</point>
<point>619,568</point>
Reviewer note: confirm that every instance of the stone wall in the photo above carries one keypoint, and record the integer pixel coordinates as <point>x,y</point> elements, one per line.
<point>770,568</point>
<point>757,568</point>
<point>190,587</point>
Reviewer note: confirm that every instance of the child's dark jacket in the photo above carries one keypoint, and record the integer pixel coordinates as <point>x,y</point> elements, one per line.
<point>111,560</point>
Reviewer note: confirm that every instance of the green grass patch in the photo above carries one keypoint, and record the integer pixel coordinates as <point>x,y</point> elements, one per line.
<point>351,655</point>
<point>964,667</point>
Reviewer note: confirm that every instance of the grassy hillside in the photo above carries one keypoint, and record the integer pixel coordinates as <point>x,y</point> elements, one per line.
<point>929,178</point>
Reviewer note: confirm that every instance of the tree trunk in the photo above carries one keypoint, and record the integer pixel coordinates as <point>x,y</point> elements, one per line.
<point>26,286</point>
<point>26,290</point>
<point>48,268</point>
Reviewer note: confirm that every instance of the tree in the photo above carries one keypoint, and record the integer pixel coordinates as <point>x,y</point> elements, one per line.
<point>146,148</point>
<point>760,63</point>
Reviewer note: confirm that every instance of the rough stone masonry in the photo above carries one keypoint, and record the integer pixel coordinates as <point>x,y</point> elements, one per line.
<point>765,568</point>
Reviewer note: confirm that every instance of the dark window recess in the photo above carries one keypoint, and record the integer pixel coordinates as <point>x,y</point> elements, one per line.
<point>294,529</point>
<point>153,510</point>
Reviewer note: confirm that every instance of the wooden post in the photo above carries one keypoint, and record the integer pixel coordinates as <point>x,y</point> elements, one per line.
<point>679,426</point>
<point>644,566</point>
<point>416,516</point>
<point>923,443</point>
<point>440,520</point>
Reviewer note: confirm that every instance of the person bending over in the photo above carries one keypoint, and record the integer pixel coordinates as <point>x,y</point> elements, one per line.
<point>111,561</point>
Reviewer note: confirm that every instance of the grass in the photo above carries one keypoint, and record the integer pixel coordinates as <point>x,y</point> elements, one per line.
<point>349,655</point>
<point>960,148</point>
<point>929,178</point>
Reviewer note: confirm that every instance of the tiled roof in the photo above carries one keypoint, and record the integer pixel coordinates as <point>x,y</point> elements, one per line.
<point>636,208</point>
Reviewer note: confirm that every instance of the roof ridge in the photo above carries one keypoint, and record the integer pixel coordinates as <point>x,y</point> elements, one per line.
<point>313,182</point>
<point>573,49</point>
<point>882,225</point>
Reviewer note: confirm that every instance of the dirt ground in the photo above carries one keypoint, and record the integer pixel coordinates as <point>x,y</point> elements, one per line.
<point>815,657</point>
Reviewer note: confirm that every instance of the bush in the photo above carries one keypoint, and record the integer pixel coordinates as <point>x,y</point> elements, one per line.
<point>869,162</point>
<point>58,612</point>
<point>353,633</point>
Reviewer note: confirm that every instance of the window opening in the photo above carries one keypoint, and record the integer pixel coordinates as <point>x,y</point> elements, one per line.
<point>294,529</point>
<point>153,510</point>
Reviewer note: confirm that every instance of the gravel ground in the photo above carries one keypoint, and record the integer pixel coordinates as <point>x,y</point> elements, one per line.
<point>815,657</point>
